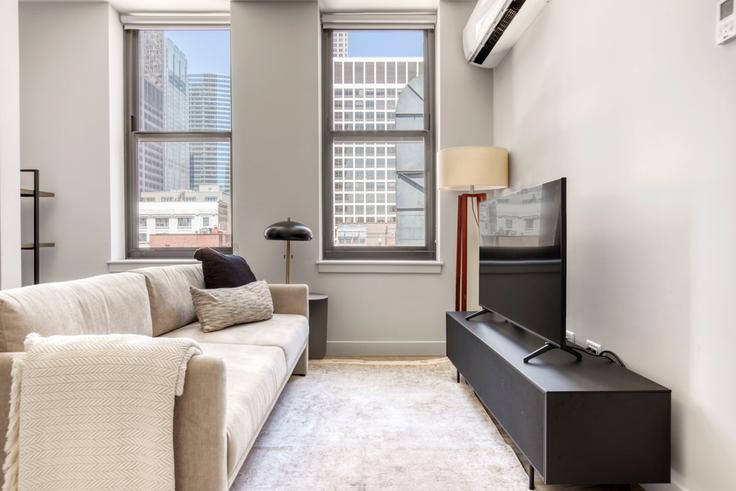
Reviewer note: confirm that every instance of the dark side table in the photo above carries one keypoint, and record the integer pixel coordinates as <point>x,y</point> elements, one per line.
<point>317,326</point>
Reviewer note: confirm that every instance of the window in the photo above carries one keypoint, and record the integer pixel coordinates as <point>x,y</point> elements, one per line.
<point>205,221</point>
<point>178,158</point>
<point>383,123</point>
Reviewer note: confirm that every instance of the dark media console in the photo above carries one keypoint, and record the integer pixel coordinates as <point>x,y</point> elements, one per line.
<point>587,422</point>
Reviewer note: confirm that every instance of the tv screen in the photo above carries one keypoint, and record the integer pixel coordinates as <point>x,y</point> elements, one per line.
<point>522,259</point>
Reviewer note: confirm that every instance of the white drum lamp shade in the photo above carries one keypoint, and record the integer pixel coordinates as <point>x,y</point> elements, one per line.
<point>472,168</point>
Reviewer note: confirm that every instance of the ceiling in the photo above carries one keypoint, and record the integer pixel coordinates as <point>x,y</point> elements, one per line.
<point>128,6</point>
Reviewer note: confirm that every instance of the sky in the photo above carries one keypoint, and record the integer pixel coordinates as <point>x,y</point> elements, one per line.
<point>209,51</point>
<point>206,51</point>
<point>385,43</point>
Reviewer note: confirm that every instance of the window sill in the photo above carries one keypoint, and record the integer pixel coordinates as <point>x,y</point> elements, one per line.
<point>391,267</point>
<point>120,265</point>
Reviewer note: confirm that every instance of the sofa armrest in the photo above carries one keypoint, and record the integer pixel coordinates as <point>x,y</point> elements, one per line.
<point>200,435</point>
<point>200,438</point>
<point>290,299</point>
<point>6,367</point>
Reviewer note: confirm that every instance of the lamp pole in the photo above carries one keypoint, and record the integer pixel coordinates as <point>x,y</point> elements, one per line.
<point>288,262</point>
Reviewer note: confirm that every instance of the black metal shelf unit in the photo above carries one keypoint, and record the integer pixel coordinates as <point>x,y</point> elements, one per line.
<point>36,245</point>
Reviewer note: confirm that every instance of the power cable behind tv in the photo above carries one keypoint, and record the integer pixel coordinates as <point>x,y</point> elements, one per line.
<point>607,354</point>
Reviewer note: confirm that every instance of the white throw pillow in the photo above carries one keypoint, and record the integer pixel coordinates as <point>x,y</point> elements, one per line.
<point>219,308</point>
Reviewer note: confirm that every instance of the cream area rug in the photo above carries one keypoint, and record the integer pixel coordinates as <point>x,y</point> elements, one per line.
<point>383,425</point>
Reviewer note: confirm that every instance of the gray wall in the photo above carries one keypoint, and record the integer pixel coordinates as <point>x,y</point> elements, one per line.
<point>10,273</point>
<point>638,111</point>
<point>276,166</point>
<point>71,74</point>
<point>276,157</point>
<point>71,129</point>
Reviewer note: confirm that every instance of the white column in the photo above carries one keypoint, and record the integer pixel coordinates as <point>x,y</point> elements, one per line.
<point>10,259</point>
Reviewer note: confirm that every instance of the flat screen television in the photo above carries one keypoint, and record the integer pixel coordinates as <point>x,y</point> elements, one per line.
<point>522,261</point>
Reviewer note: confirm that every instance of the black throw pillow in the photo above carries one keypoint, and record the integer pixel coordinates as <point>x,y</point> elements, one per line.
<point>223,270</point>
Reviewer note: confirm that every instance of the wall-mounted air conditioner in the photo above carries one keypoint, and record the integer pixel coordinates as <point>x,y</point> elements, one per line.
<point>494,27</point>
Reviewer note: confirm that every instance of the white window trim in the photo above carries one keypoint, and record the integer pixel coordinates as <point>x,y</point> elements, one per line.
<point>370,267</point>
<point>152,20</point>
<point>121,265</point>
<point>379,20</point>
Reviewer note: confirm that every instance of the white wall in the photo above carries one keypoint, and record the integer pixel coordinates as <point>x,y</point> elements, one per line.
<point>71,70</point>
<point>638,111</point>
<point>116,125</point>
<point>276,166</point>
<point>10,254</point>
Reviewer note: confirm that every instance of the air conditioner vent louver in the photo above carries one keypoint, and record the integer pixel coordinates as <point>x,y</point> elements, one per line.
<point>495,26</point>
<point>498,31</point>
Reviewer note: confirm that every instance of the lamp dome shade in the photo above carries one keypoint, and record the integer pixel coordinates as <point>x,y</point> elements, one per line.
<point>460,168</point>
<point>288,230</point>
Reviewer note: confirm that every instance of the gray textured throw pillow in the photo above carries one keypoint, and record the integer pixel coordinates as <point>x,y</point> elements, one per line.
<point>224,307</point>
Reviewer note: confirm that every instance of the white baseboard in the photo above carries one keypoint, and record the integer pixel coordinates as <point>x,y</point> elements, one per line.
<point>385,348</point>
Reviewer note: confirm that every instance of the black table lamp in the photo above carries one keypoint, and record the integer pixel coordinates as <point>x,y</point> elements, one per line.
<point>288,231</point>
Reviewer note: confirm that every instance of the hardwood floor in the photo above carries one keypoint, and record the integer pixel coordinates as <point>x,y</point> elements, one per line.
<point>538,483</point>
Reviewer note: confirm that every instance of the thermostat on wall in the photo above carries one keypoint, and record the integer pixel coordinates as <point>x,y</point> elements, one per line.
<point>726,21</point>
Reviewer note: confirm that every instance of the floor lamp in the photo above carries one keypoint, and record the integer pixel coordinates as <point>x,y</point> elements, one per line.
<point>288,231</point>
<point>469,169</point>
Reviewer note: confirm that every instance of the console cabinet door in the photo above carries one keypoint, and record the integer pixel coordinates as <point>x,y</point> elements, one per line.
<point>517,404</point>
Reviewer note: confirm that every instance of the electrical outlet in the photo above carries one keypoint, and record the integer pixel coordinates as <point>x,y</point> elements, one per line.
<point>593,346</point>
<point>570,336</point>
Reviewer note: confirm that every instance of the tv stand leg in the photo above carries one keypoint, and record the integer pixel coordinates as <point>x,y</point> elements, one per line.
<point>458,376</point>
<point>547,347</point>
<point>531,476</point>
<point>476,314</point>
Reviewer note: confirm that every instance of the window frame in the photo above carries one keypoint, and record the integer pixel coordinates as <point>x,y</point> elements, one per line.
<point>428,252</point>
<point>134,136</point>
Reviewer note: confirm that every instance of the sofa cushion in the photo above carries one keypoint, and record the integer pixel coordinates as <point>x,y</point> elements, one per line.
<point>218,308</point>
<point>106,304</point>
<point>224,270</point>
<point>254,377</point>
<point>286,331</point>
<point>168,292</point>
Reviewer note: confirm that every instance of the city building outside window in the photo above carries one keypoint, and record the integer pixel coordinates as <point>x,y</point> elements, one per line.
<point>178,142</point>
<point>379,144</point>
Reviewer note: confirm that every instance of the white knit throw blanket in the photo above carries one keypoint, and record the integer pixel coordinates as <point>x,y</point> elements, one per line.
<point>94,412</point>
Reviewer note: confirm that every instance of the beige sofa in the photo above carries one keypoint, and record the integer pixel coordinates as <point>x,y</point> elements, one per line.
<point>229,391</point>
